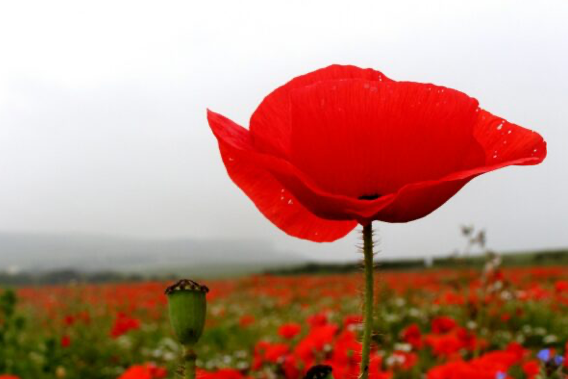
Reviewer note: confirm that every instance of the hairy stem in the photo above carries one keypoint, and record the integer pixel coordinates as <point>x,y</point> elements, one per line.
<point>189,358</point>
<point>368,299</point>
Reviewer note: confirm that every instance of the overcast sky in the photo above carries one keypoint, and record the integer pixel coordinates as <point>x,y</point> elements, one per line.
<point>103,127</point>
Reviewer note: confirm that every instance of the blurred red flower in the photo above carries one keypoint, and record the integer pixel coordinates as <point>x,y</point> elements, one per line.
<point>65,341</point>
<point>531,368</point>
<point>123,324</point>
<point>147,371</point>
<point>412,335</point>
<point>344,145</point>
<point>289,330</point>
<point>318,319</point>
<point>246,320</point>
<point>443,324</point>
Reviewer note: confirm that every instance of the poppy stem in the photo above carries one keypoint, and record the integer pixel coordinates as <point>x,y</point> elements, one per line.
<point>368,299</point>
<point>189,358</point>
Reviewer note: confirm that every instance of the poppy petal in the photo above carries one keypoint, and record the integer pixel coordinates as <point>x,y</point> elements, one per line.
<point>420,199</point>
<point>365,139</point>
<point>268,194</point>
<point>270,123</point>
<point>318,201</point>
<point>505,144</point>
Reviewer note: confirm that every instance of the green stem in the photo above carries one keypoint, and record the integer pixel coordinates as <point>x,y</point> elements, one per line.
<point>368,298</point>
<point>189,358</point>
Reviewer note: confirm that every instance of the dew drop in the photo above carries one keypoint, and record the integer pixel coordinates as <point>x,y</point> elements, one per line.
<point>281,197</point>
<point>500,126</point>
<point>282,190</point>
<point>509,132</point>
<point>290,202</point>
<point>231,159</point>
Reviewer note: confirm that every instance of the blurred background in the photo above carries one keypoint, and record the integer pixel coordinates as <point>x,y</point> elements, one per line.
<point>107,161</point>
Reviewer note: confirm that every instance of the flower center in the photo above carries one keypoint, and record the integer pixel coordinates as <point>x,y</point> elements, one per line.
<point>369,197</point>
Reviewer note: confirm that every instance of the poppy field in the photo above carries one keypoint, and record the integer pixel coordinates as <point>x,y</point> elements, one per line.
<point>435,324</point>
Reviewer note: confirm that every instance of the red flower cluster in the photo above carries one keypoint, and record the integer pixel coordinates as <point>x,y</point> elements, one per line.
<point>289,330</point>
<point>448,339</point>
<point>123,324</point>
<point>491,365</point>
<point>325,343</point>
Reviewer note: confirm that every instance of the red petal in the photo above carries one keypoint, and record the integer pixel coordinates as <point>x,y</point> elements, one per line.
<point>270,123</point>
<point>361,138</point>
<point>318,201</point>
<point>504,143</point>
<point>420,199</point>
<point>270,197</point>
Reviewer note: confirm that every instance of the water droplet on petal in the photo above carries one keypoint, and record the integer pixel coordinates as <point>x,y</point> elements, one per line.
<point>290,202</point>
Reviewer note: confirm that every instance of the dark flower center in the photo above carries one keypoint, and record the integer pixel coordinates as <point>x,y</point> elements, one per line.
<point>369,197</point>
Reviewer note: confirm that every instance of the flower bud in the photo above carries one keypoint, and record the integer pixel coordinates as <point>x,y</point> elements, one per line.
<point>319,372</point>
<point>187,305</point>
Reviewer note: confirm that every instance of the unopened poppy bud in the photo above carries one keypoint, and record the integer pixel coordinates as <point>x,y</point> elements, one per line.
<point>187,305</point>
<point>319,372</point>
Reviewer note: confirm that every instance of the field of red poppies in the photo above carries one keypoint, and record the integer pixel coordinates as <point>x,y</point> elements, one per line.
<point>434,324</point>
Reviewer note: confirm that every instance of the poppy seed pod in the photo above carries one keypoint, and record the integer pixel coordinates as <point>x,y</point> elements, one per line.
<point>187,306</point>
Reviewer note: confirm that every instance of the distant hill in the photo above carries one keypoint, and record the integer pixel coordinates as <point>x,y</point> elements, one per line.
<point>88,253</point>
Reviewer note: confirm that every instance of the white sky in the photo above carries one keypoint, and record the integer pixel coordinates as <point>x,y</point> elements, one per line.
<point>102,109</point>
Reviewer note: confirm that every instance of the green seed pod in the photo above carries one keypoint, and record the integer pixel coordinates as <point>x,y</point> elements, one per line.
<point>187,305</point>
<point>319,372</point>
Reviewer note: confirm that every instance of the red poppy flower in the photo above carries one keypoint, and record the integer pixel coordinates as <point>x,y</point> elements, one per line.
<point>289,330</point>
<point>344,145</point>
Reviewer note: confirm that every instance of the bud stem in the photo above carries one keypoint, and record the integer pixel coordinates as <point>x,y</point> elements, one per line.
<point>189,358</point>
<point>368,299</point>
